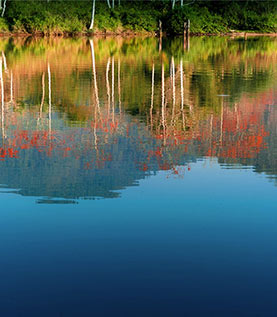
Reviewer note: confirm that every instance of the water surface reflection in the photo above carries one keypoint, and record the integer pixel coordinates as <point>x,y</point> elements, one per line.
<point>88,118</point>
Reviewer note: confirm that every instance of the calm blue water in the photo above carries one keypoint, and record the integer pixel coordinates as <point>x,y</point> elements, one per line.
<point>124,217</point>
<point>167,247</point>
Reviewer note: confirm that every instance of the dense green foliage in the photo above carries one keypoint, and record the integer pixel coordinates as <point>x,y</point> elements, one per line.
<point>61,16</point>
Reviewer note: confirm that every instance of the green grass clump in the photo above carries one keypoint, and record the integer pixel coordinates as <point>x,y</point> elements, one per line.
<point>4,27</point>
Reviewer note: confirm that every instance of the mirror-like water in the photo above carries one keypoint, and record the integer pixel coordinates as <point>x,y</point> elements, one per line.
<point>183,137</point>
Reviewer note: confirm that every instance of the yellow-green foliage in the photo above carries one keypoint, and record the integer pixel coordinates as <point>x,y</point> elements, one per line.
<point>62,16</point>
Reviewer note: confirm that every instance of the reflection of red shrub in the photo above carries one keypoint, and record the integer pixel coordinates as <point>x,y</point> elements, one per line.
<point>9,152</point>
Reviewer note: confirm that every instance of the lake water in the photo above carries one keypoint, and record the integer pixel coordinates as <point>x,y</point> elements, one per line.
<point>138,178</point>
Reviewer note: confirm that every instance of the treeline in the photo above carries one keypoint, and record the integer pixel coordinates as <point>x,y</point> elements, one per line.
<point>120,16</point>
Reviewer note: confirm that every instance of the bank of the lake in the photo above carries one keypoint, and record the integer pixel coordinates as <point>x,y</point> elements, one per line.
<point>137,17</point>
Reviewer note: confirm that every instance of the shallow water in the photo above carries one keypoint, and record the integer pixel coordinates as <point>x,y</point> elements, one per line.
<point>138,178</point>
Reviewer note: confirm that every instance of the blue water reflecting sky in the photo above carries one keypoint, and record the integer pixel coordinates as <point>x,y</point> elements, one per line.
<point>169,246</point>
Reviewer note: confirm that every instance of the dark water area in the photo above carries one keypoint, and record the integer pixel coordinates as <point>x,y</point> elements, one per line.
<point>138,178</point>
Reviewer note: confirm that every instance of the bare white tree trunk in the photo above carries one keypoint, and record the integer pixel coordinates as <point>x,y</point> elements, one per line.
<point>43,94</point>
<point>173,4</point>
<point>173,89</point>
<point>113,88</point>
<point>4,61</point>
<point>50,101</point>
<point>94,75</point>
<point>182,93</point>
<point>163,105</point>
<point>152,95</point>
<point>182,85</point>
<point>92,15</point>
<point>173,80</point>
<point>108,85</point>
<point>2,99</point>
<point>109,4</point>
<point>4,8</point>
<point>119,85</point>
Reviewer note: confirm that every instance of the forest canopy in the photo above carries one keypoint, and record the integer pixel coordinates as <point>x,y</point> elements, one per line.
<point>120,16</point>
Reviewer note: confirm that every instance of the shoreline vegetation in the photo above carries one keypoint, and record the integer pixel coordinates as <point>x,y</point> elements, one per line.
<point>130,18</point>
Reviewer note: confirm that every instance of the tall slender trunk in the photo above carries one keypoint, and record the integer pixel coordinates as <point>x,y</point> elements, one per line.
<point>4,61</point>
<point>109,4</point>
<point>173,81</point>
<point>173,4</point>
<point>119,85</point>
<point>182,93</point>
<point>92,15</point>
<point>163,106</point>
<point>4,8</point>
<point>182,85</point>
<point>113,88</point>
<point>49,101</point>
<point>2,100</point>
<point>108,86</point>
<point>43,94</point>
<point>173,89</point>
<point>152,96</point>
<point>94,75</point>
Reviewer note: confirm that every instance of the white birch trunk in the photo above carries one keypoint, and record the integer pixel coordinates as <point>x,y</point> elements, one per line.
<point>113,89</point>
<point>182,93</point>
<point>119,85</point>
<point>43,94</point>
<point>173,89</point>
<point>92,15</point>
<point>4,61</point>
<point>182,85</point>
<point>108,86</point>
<point>94,75</point>
<point>4,8</point>
<point>50,101</point>
<point>2,99</point>
<point>173,4</point>
<point>152,96</point>
<point>163,105</point>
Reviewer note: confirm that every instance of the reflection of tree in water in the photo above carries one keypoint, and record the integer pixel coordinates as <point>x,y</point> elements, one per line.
<point>74,135</point>
<point>234,133</point>
<point>69,165</point>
